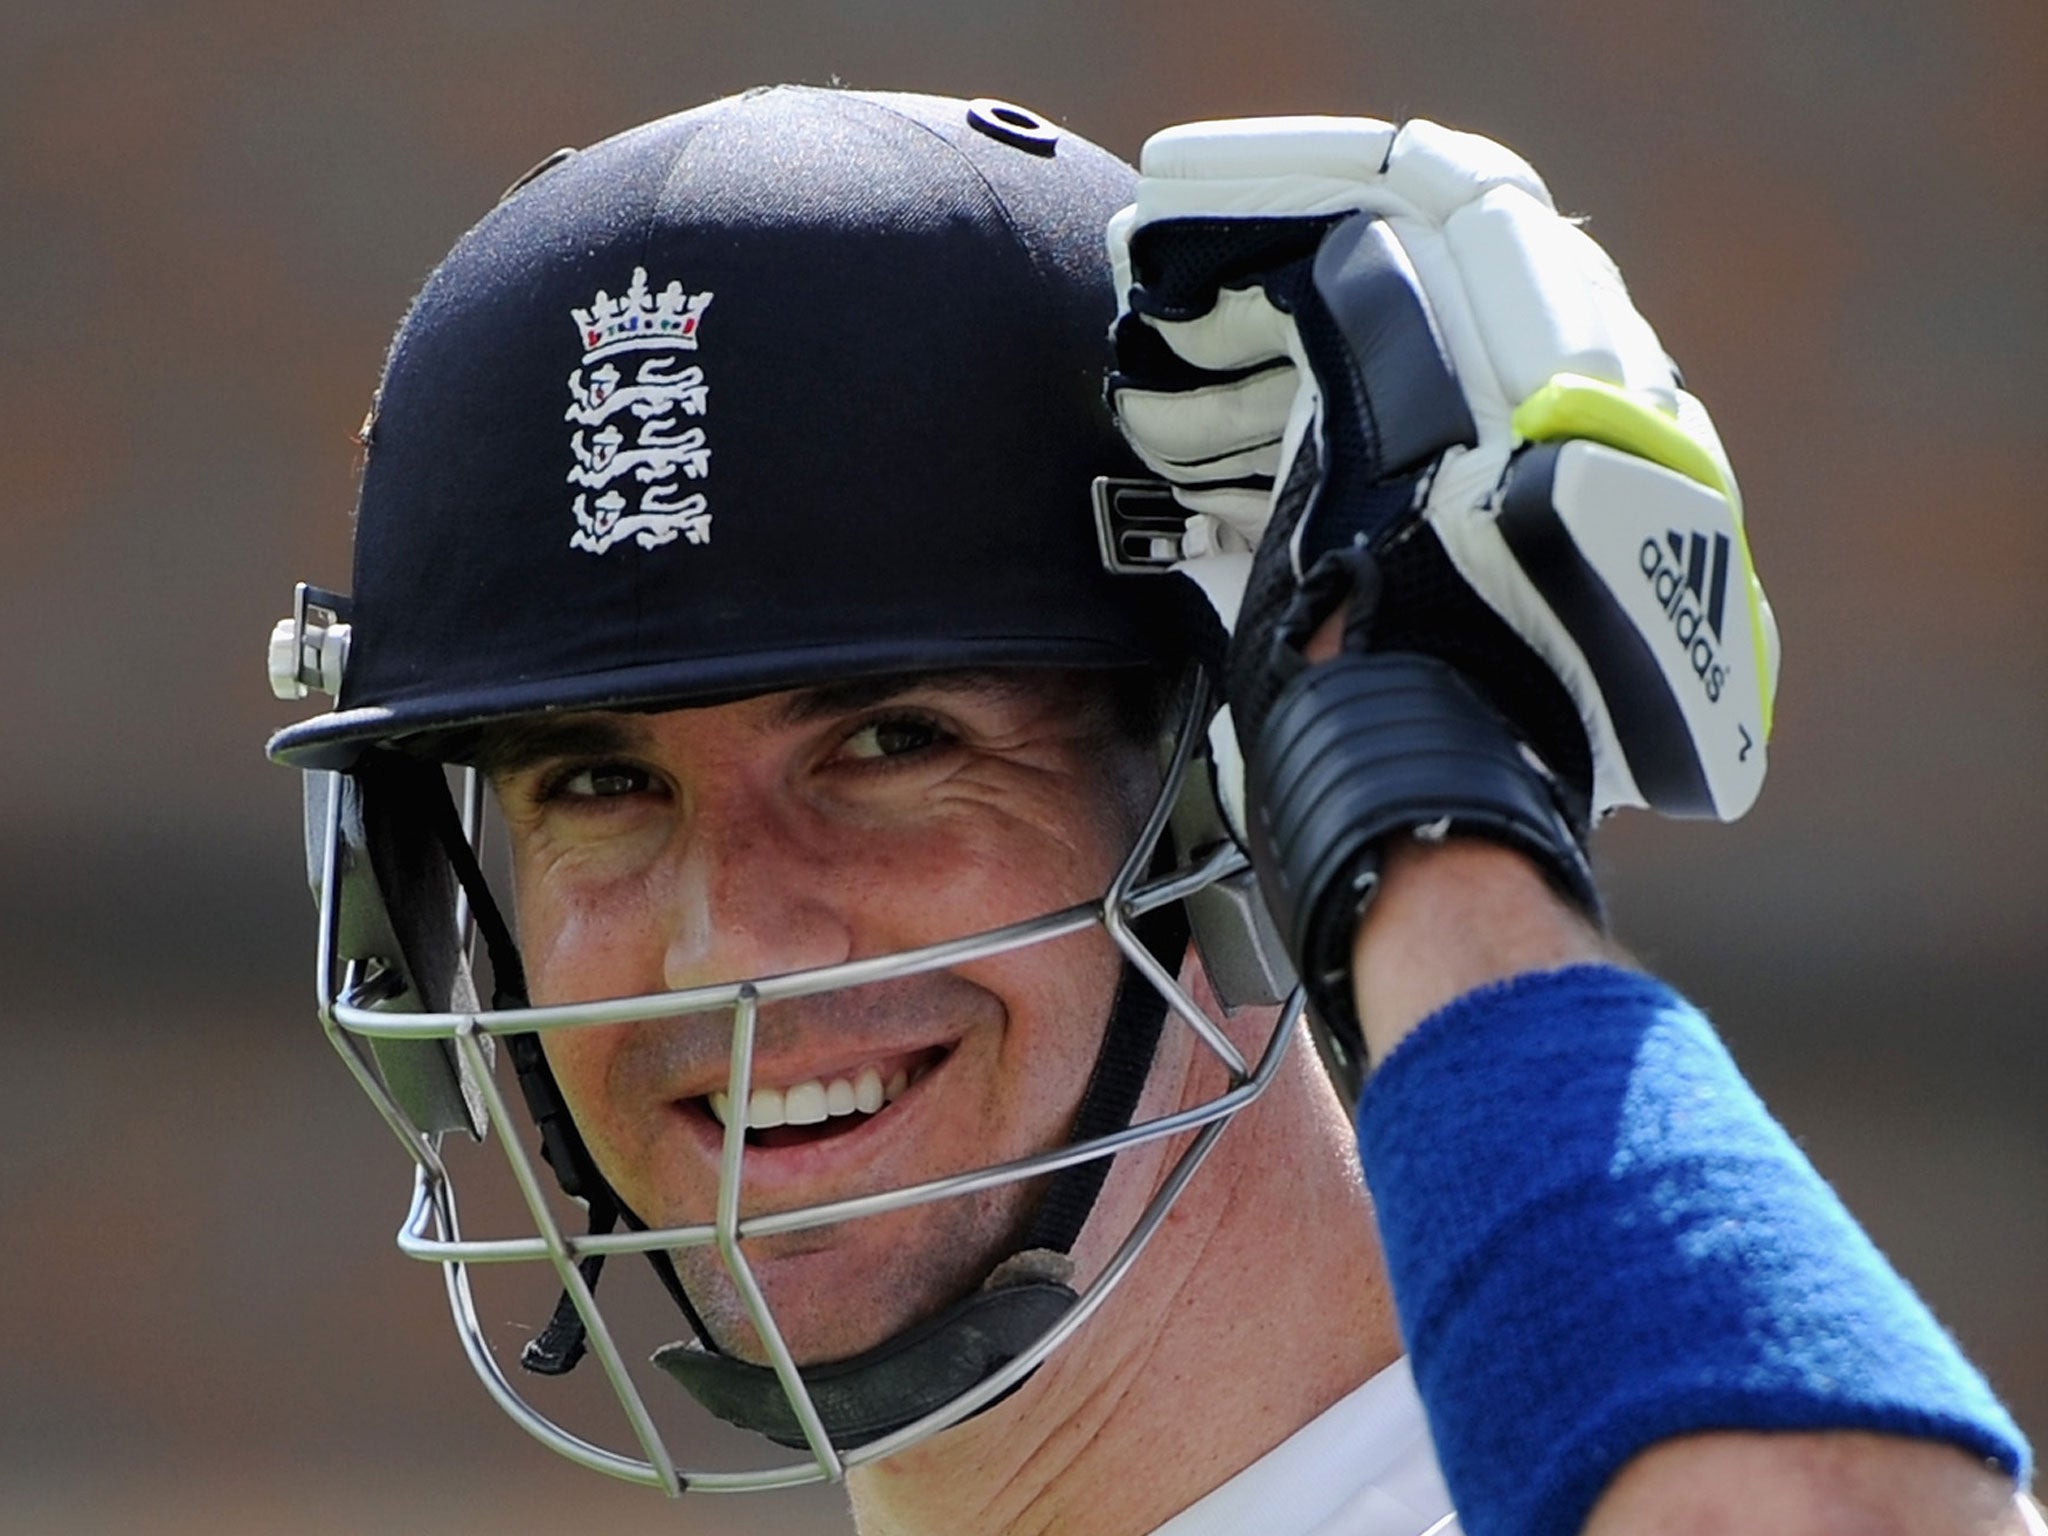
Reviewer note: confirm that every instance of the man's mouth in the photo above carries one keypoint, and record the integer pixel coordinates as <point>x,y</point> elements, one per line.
<point>817,1108</point>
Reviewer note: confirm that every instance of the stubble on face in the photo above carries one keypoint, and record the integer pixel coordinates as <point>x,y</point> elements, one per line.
<point>1008,1088</point>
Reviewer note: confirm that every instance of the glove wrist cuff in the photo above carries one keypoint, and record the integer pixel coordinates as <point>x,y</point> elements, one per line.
<point>1356,750</point>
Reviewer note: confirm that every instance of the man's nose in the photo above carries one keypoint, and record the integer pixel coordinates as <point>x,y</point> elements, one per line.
<point>752,896</point>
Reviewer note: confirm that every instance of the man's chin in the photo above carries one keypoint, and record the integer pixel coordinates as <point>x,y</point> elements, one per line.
<point>830,1301</point>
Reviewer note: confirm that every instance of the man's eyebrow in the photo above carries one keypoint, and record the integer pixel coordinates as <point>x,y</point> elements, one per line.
<point>515,745</point>
<point>809,704</point>
<point>512,746</point>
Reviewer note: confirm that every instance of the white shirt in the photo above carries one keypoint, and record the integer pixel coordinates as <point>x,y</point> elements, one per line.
<point>1363,1467</point>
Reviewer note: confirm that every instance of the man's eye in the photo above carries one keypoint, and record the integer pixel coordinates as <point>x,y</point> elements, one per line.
<point>601,781</point>
<point>893,736</point>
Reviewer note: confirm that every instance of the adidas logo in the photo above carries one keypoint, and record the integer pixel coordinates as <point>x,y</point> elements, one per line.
<point>1689,574</point>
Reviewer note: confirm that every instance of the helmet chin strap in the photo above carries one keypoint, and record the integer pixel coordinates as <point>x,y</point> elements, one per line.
<point>929,1364</point>
<point>900,1380</point>
<point>557,1348</point>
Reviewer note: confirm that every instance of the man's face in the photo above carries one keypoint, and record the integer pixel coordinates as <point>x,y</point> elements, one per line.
<point>656,852</point>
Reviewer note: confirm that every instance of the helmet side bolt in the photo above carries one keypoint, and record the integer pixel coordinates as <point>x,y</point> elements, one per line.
<point>309,650</point>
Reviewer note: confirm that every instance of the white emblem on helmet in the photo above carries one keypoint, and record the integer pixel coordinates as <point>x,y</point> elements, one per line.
<point>627,399</point>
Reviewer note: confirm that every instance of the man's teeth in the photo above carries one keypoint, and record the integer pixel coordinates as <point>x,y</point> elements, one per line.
<point>816,1101</point>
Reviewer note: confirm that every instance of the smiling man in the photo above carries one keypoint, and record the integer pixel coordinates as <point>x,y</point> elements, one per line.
<point>807,828</point>
<point>744,508</point>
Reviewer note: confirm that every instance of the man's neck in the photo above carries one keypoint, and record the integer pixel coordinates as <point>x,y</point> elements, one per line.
<point>1259,1302</point>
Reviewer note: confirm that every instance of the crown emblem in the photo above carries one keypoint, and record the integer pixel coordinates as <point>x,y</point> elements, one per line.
<point>631,449</point>
<point>640,318</point>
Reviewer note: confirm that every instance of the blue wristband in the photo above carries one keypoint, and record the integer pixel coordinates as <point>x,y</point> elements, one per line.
<point>1598,1239</point>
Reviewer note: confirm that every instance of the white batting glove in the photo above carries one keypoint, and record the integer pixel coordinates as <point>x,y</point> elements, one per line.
<point>1458,377</point>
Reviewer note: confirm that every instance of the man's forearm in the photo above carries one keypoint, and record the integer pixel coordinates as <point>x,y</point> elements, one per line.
<point>1453,917</point>
<point>1449,917</point>
<point>1809,1485</point>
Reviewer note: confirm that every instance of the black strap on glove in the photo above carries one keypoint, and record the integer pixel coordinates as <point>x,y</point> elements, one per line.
<point>1342,755</point>
<point>1358,749</point>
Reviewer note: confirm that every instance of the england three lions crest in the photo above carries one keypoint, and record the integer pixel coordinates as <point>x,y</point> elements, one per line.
<point>639,406</point>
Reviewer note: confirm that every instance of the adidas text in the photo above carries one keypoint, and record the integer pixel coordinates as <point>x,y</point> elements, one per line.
<point>1691,587</point>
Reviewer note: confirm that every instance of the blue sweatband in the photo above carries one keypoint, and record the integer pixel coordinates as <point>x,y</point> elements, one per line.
<point>1598,1239</point>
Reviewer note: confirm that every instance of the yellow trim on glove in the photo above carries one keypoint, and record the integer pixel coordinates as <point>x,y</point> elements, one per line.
<point>1571,405</point>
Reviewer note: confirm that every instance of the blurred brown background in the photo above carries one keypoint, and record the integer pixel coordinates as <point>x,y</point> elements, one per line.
<point>211,215</point>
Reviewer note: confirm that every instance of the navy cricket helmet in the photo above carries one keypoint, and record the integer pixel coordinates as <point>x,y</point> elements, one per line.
<point>800,385</point>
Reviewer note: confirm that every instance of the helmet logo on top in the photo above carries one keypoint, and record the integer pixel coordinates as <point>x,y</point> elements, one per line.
<point>628,397</point>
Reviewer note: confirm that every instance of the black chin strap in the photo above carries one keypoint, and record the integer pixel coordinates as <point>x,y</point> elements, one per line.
<point>1121,1067</point>
<point>900,1380</point>
<point>555,1350</point>
<point>558,1346</point>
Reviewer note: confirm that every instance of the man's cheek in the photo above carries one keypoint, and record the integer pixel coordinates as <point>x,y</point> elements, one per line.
<point>576,1075</point>
<point>581,951</point>
<point>585,1062</point>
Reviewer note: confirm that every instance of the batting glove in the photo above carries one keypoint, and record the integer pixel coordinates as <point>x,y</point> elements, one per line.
<point>1502,392</point>
<point>1377,367</point>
